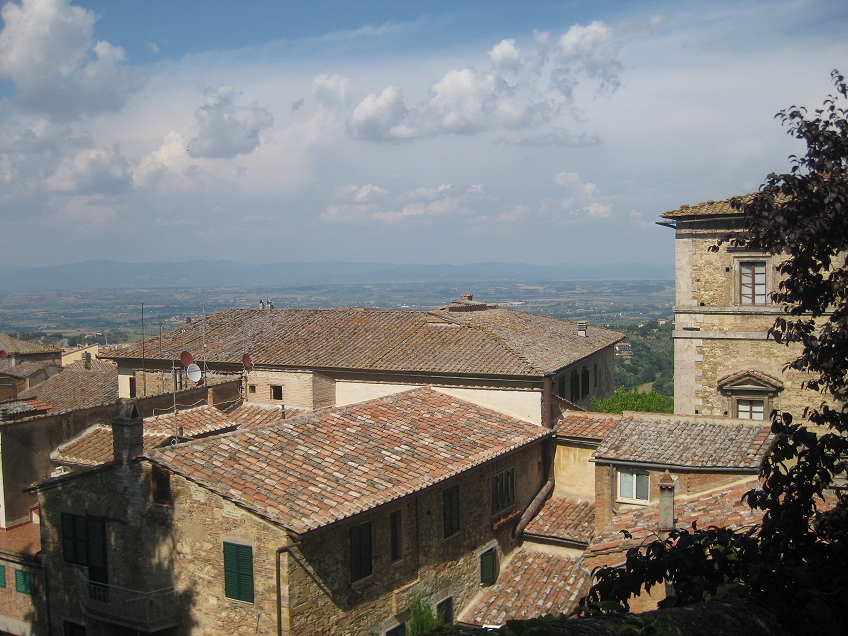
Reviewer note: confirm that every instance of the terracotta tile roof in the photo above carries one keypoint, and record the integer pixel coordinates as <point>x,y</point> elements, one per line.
<point>490,342</point>
<point>331,464</point>
<point>13,345</point>
<point>93,446</point>
<point>721,507</point>
<point>693,441</point>
<point>532,584</point>
<point>249,415</point>
<point>564,518</point>
<point>104,366</point>
<point>195,421</point>
<point>547,343</point>
<point>70,390</point>
<point>707,208</point>
<point>23,407</point>
<point>22,370</point>
<point>25,539</point>
<point>590,426</point>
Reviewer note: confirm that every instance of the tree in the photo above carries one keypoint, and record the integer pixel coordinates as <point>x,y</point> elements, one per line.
<point>799,553</point>
<point>635,400</point>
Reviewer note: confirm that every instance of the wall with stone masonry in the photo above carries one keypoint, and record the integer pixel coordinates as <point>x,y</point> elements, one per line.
<point>297,387</point>
<point>21,614</point>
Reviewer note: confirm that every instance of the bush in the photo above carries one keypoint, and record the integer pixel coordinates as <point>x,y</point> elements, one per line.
<point>624,400</point>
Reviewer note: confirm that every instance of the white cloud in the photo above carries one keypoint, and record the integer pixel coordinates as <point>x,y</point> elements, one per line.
<point>47,49</point>
<point>227,130</point>
<point>330,91</point>
<point>566,178</point>
<point>518,92</point>
<point>556,137</point>
<point>597,210</point>
<point>92,171</point>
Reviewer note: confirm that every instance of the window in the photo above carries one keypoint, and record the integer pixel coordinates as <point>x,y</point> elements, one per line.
<point>444,611</point>
<point>2,576</point>
<point>238,572</point>
<point>751,409</point>
<point>360,552</point>
<point>276,392</point>
<point>84,543</point>
<point>73,629</point>
<point>632,486</point>
<point>450,499</point>
<point>132,387</point>
<point>25,582</point>
<point>488,566</point>
<point>584,390</point>
<point>595,374</point>
<point>575,386</point>
<point>396,523</point>
<point>400,630</point>
<point>251,388</point>
<point>503,490</point>
<point>752,283</point>
<point>161,482</point>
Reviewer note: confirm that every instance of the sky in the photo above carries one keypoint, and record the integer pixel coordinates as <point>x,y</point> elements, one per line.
<point>418,132</point>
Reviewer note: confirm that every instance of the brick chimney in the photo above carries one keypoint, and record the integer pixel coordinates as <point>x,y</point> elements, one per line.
<point>127,432</point>
<point>468,297</point>
<point>86,360</point>
<point>666,485</point>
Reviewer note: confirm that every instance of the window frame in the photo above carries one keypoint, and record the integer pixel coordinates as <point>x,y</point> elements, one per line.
<point>632,496</point>
<point>445,604</point>
<point>25,582</point>
<point>160,486</point>
<point>361,553</point>
<point>239,584</point>
<point>275,389</point>
<point>450,511</point>
<point>752,299</point>
<point>488,566</point>
<point>750,400</point>
<point>503,490</point>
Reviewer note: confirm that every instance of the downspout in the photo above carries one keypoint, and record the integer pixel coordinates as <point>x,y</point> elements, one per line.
<point>547,390</point>
<point>533,508</point>
<point>280,550</point>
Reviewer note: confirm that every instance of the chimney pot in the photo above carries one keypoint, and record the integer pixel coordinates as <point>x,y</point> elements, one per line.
<point>666,485</point>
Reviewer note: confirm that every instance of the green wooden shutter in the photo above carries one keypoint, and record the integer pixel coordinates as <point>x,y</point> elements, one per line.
<point>487,567</point>
<point>2,576</point>
<point>25,582</point>
<point>238,572</point>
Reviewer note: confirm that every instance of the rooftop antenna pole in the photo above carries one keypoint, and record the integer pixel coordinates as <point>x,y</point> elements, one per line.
<point>162,368</point>
<point>205,368</point>
<point>143,370</point>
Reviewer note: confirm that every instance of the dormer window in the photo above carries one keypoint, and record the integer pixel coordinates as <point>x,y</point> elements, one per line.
<point>750,393</point>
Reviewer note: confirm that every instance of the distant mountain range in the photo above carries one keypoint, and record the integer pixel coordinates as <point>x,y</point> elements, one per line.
<point>102,274</point>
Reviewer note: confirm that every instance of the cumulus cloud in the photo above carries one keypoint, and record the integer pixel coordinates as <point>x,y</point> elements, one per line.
<point>372,204</point>
<point>47,49</point>
<point>225,129</point>
<point>599,211</point>
<point>519,91</point>
<point>330,91</point>
<point>92,171</point>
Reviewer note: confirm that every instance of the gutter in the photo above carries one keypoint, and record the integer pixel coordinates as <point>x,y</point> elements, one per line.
<point>753,470</point>
<point>280,550</point>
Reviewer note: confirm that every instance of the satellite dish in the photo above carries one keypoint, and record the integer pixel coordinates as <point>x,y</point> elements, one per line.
<point>193,372</point>
<point>187,359</point>
<point>246,361</point>
<point>5,354</point>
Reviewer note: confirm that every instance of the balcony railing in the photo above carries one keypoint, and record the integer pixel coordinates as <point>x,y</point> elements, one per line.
<point>145,611</point>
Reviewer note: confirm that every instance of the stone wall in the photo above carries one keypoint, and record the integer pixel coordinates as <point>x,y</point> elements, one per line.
<point>297,387</point>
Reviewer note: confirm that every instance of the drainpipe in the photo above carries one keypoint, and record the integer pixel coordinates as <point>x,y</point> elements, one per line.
<point>547,389</point>
<point>533,508</point>
<point>280,550</point>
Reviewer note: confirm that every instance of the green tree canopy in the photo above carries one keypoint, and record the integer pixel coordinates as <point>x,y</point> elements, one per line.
<point>624,400</point>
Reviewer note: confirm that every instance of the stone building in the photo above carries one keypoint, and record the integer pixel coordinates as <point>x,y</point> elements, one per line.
<point>507,360</point>
<point>724,362</point>
<point>327,523</point>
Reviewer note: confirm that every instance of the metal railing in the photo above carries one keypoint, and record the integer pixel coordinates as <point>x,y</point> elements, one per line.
<point>145,611</point>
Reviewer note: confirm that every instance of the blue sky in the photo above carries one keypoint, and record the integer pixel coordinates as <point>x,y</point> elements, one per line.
<point>426,132</point>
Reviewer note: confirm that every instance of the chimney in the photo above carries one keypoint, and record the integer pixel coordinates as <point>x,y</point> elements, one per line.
<point>86,360</point>
<point>581,329</point>
<point>468,297</point>
<point>188,320</point>
<point>16,359</point>
<point>666,485</point>
<point>127,432</point>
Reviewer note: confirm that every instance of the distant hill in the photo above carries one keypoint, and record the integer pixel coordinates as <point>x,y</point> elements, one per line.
<point>102,274</point>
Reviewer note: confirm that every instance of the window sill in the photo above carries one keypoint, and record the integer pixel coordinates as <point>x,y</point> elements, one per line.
<point>635,502</point>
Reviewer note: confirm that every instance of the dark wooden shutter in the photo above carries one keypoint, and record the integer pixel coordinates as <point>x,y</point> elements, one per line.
<point>360,551</point>
<point>96,533</point>
<point>238,572</point>
<point>451,511</point>
<point>487,567</point>
<point>69,548</point>
<point>245,575</point>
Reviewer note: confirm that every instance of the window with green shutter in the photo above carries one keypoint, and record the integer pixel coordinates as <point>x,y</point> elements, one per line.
<point>503,490</point>
<point>25,582</point>
<point>238,572</point>
<point>2,576</point>
<point>360,551</point>
<point>488,567</point>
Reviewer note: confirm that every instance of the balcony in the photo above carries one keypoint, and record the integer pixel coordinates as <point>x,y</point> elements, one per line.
<point>144,611</point>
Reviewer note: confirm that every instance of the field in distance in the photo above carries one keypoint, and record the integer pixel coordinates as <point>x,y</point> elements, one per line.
<point>116,313</point>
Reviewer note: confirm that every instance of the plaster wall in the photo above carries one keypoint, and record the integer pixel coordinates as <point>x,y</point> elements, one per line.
<point>574,474</point>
